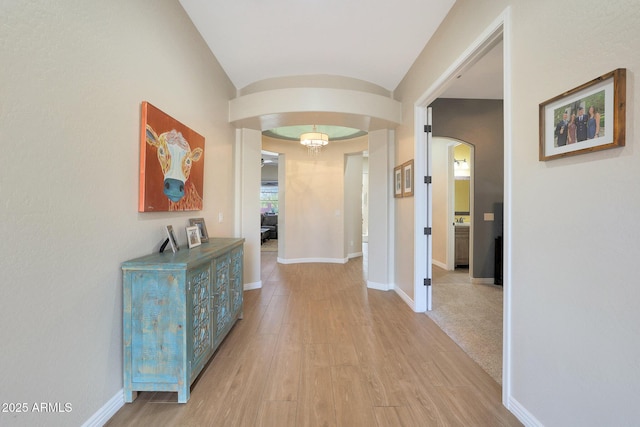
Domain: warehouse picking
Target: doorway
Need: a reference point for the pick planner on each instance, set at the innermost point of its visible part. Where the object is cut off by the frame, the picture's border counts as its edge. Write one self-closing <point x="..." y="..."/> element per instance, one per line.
<point x="495" y="35"/>
<point x="461" y="235"/>
<point x="319" y="213"/>
<point x="270" y="200"/>
<point x="452" y="201"/>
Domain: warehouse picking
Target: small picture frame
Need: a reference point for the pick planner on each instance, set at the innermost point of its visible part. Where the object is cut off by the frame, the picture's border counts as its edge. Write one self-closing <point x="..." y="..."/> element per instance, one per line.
<point x="172" y="239"/>
<point x="397" y="181"/>
<point x="193" y="236"/>
<point x="407" y="179"/>
<point x="199" y="222"/>
<point x="590" y="117"/>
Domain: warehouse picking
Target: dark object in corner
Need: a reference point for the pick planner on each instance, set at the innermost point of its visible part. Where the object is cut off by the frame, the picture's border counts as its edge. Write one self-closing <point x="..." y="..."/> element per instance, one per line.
<point x="270" y="222"/>
<point x="498" y="262"/>
<point x="164" y="245"/>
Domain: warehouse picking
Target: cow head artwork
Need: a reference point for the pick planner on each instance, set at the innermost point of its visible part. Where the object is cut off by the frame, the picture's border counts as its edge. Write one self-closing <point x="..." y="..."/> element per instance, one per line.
<point x="175" y="157"/>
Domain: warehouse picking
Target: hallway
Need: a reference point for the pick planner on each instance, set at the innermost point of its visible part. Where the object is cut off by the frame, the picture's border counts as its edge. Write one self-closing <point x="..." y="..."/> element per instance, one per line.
<point x="316" y="347"/>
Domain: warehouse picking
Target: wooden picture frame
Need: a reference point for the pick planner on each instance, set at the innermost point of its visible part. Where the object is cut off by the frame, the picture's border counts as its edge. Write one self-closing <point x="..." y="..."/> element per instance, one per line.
<point x="407" y="179"/>
<point x="397" y="181"/>
<point x="173" y="242"/>
<point x="590" y="117"/>
<point x="199" y="222"/>
<point x="193" y="236"/>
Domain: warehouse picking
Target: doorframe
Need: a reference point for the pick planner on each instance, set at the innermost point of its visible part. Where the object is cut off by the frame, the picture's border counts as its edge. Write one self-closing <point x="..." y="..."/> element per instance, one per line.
<point x="499" y="29"/>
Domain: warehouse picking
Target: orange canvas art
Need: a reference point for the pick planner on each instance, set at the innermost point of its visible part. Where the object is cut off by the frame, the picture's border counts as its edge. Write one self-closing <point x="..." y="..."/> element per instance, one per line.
<point x="171" y="164"/>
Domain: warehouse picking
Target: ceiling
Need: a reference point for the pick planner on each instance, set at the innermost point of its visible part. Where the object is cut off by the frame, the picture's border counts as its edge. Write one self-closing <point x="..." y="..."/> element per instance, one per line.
<point x="483" y="80"/>
<point x="377" y="42"/>
<point x="293" y="133"/>
<point x="374" y="41"/>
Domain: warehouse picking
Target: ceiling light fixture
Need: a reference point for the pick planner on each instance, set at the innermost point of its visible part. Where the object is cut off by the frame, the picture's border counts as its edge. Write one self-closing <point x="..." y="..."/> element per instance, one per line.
<point x="314" y="141"/>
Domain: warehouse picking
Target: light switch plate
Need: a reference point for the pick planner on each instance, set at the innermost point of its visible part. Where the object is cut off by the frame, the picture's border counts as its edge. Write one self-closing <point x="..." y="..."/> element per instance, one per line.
<point x="488" y="216"/>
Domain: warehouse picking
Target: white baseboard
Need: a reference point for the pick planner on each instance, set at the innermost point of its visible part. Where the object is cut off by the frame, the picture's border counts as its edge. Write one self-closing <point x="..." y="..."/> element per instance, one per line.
<point x="378" y="286"/>
<point x="405" y="298"/>
<point x="312" y="260"/>
<point x="442" y="265"/>
<point x="522" y="414"/>
<point x="254" y="285"/>
<point x="107" y="411"/>
<point x="354" y="255"/>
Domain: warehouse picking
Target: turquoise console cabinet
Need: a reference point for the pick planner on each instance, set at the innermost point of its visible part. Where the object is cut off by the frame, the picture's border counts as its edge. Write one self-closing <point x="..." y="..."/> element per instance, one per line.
<point x="177" y="310"/>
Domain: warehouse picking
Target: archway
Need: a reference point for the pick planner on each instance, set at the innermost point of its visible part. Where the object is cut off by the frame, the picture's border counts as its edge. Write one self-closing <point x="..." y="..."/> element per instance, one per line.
<point x="373" y="112"/>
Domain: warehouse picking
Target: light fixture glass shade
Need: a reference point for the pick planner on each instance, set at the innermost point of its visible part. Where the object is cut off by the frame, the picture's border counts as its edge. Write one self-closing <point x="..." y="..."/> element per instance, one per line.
<point x="314" y="141"/>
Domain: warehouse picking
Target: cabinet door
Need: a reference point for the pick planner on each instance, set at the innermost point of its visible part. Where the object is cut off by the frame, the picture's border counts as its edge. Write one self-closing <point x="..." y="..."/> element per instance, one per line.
<point x="199" y="285"/>
<point x="156" y="319"/>
<point x="221" y="297"/>
<point x="236" y="282"/>
<point x="462" y="246"/>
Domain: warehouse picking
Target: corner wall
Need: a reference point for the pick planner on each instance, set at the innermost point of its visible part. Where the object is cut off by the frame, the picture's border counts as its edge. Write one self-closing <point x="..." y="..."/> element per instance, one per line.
<point x="353" y="217"/>
<point x="72" y="78"/>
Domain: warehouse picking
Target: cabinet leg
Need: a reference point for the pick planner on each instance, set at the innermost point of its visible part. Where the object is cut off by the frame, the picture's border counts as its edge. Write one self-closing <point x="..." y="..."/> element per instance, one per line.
<point x="130" y="396"/>
<point x="183" y="395"/>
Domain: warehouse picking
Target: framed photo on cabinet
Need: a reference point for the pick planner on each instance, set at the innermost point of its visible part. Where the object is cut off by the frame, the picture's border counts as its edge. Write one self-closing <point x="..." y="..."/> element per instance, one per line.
<point x="193" y="236"/>
<point x="172" y="239"/>
<point x="199" y="222"/>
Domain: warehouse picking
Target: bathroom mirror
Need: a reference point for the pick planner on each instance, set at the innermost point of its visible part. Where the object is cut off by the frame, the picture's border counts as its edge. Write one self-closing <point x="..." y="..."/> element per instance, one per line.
<point x="462" y="189"/>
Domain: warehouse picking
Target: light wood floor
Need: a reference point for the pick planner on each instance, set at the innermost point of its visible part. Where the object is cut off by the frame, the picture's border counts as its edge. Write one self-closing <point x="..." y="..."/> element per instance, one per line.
<point x="317" y="348"/>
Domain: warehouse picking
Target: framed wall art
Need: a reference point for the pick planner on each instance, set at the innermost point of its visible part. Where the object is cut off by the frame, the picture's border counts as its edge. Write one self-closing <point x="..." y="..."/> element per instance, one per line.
<point x="407" y="179"/>
<point x="588" y="118"/>
<point x="171" y="164"/>
<point x="397" y="181"/>
<point x="199" y="222"/>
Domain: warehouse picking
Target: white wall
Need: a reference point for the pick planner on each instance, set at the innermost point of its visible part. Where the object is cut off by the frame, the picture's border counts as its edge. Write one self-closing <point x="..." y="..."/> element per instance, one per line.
<point x="574" y="318"/>
<point x="353" y="205"/>
<point x="404" y="238"/>
<point x="440" y="200"/>
<point x="314" y="194"/>
<point x="381" y="210"/>
<point x="72" y="78"/>
<point x="248" y="148"/>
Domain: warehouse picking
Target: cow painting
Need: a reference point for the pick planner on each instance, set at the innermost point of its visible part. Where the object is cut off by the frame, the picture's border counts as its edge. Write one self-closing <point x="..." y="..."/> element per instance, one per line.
<point x="166" y="183"/>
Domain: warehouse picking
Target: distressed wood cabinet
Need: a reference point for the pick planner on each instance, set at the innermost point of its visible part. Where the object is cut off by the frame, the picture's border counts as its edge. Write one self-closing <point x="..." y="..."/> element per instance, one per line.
<point x="177" y="310"/>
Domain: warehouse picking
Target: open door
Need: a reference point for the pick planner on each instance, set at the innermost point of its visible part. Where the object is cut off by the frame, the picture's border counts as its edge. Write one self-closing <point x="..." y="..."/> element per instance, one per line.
<point x="429" y="213"/>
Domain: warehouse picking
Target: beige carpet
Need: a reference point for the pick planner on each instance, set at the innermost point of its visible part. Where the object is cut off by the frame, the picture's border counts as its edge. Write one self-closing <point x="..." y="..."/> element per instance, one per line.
<point x="471" y="314"/>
